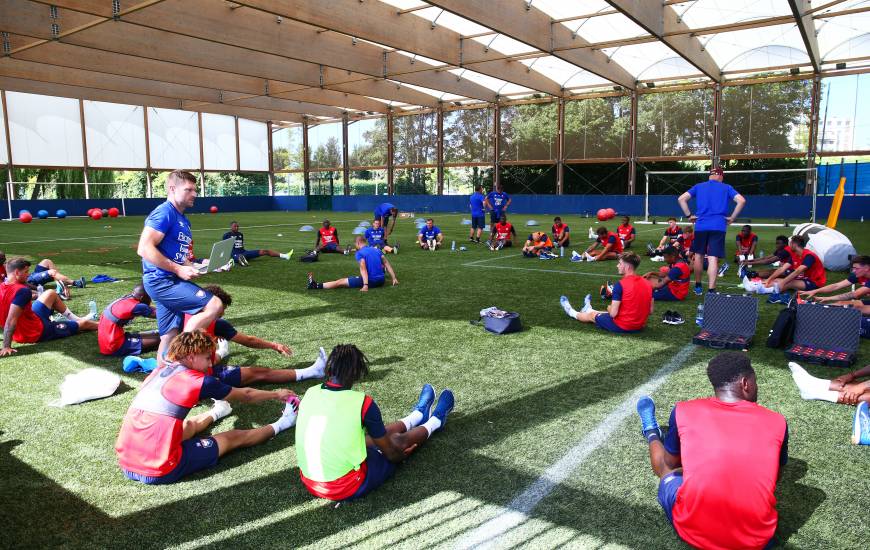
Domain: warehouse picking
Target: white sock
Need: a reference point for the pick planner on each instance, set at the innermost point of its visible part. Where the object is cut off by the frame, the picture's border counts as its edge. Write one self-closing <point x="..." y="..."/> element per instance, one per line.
<point x="316" y="370"/>
<point x="432" y="425"/>
<point x="284" y="256"/>
<point x="587" y="304"/>
<point x="220" y="410"/>
<point x="73" y="317"/>
<point x="288" y="419"/>
<point x="412" y="420"/>
<point x="766" y="289"/>
<point x="570" y="311"/>
<point x="810" y="386"/>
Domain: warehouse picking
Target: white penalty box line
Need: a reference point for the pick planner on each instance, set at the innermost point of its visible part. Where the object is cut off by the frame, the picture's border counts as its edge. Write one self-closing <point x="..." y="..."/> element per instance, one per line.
<point x="518" y="510"/>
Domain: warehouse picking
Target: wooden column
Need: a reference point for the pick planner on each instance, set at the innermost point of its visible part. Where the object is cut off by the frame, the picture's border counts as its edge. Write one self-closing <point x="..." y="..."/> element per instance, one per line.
<point x="9" y="169"/>
<point x="440" y="148"/>
<point x="814" y="129"/>
<point x="271" y="160"/>
<point x="345" y="157"/>
<point x="560" y="147"/>
<point x="202" y="155"/>
<point x="390" y="186"/>
<point x="305" y="164"/>
<point x="632" y="146"/>
<point x="84" y="148"/>
<point x="717" y="120"/>
<point x="149" y="189"/>
<point x="496" y="145"/>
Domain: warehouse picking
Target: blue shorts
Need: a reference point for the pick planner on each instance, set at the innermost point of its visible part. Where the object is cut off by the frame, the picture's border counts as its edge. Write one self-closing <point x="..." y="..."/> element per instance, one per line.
<point x="378" y="470"/>
<point x="39" y="276"/>
<point x="248" y="254"/>
<point x="231" y="376"/>
<point x="865" y="327"/>
<point x="52" y="330"/>
<point x="808" y="283"/>
<point x="711" y="243"/>
<point x="331" y="247"/>
<point x="132" y="345"/>
<point x="668" y="487"/>
<point x="175" y="297"/>
<point x="478" y="222"/>
<point x="664" y="294"/>
<point x="198" y="453"/>
<point x="357" y="282"/>
<point x="495" y="216"/>
<point x="605" y="321"/>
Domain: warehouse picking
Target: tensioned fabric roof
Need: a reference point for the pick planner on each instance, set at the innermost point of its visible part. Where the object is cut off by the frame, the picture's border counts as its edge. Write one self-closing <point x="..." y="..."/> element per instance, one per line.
<point x="282" y="60"/>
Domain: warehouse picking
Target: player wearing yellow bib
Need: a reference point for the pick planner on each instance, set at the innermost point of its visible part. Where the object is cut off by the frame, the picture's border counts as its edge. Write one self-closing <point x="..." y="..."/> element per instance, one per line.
<point x="343" y="449"/>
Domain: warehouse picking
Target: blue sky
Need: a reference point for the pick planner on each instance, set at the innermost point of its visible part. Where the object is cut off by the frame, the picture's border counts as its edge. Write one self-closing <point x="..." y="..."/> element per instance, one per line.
<point x="842" y="99"/>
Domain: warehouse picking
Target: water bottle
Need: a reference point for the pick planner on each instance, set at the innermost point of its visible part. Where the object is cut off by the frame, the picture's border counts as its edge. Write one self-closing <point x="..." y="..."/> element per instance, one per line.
<point x="561" y="251"/>
<point x="92" y="308"/>
<point x="452" y="246"/>
<point x="699" y="317"/>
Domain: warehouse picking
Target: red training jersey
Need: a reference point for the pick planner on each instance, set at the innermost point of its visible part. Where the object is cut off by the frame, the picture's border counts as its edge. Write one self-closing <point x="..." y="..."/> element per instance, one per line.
<point x="731" y="457"/>
<point x="29" y="327"/>
<point x="816" y="272"/>
<point x="680" y="287"/>
<point x="617" y="244"/>
<point x="624" y="231"/>
<point x="110" y="333"/>
<point x="635" y="304"/>
<point x="558" y="230"/>
<point x="687" y="240"/>
<point x="744" y="243"/>
<point x="503" y="231"/>
<point x="327" y="235"/>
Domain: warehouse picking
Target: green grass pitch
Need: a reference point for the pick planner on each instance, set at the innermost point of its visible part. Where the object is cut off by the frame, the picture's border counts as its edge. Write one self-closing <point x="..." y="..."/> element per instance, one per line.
<point x="523" y="400"/>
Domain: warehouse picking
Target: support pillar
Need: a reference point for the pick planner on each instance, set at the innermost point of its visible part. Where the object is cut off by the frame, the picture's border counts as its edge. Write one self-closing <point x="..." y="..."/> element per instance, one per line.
<point x="440" y="149"/>
<point x="496" y="146"/>
<point x="717" y="124"/>
<point x="390" y="185"/>
<point x="271" y="160"/>
<point x="202" y="154"/>
<point x="560" y="147"/>
<point x="305" y="163"/>
<point x="632" y="145"/>
<point x="149" y="188"/>
<point x="345" y="160"/>
<point x="814" y="130"/>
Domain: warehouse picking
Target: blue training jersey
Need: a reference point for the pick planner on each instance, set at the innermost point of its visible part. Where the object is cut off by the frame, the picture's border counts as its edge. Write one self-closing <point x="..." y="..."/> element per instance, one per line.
<point x="176" y="238"/>
<point x="375" y="236"/>
<point x="383" y="209"/>
<point x="374" y="261"/>
<point x="712" y="200"/>
<point x="239" y="245"/>
<point x="476" y="203"/>
<point x="429" y="234"/>
<point x="498" y="200"/>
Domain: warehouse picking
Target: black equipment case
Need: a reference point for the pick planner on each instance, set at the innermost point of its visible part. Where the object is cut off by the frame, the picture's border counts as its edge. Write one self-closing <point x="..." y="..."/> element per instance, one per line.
<point x="729" y="321"/>
<point x="828" y="335"/>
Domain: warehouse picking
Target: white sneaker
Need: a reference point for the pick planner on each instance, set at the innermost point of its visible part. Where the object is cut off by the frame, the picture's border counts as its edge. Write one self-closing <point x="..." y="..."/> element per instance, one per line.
<point x="319" y="366"/>
<point x="587" y="304"/>
<point x="223" y="348"/>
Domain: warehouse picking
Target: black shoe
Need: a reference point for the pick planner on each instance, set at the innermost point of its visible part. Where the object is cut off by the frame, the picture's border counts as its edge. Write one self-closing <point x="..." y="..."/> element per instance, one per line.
<point x="312" y="284"/>
<point x="79" y="283"/>
<point x="676" y="318"/>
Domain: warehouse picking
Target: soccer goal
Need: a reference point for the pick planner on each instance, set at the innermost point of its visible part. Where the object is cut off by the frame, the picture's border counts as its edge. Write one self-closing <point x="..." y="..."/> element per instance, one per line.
<point x="778" y="182"/>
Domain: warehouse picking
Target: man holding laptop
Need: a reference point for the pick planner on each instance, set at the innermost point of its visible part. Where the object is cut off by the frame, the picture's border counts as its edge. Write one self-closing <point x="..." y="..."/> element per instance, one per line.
<point x="166" y="270"/>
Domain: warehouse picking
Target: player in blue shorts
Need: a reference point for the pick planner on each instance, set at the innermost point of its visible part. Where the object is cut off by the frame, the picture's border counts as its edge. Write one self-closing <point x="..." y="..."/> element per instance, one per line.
<point x="46" y="272"/>
<point x="372" y="264"/>
<point x="478" y="214"/>
<point x="240" y="255"/>
<point x="430" y="236"/>
<point x="376" y="236"/>
<point x="497" y="202"/>
<point x="385" y="212"/>
<point x="166" y="269"/>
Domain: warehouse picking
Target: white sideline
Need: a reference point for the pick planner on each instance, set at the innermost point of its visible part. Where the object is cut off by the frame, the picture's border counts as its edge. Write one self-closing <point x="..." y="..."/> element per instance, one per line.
<point x="518" y="510"/>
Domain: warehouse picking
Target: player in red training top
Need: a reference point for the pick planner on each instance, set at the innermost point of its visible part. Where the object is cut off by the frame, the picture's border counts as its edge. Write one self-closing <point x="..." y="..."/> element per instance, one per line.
<point x="720" y="460"/>
<point x="859" y="277"/>
<point x="327" y="239"/>
<point x="611" y="247"/>
<point x="747" y="242"/>
<point x="806" y="273"/>
<point x="632" y="301"/>
<point x="502" y="234"/>
<point x="688" y="237"/>
<point x="671" y="282"/>
<point x="561" y="233"/>
<point x="26" y="321"/>
<point x="673" y="236"/>
<point x="112" y="337"/>
<point x="158" y="444"/>
<point x="626" y="232"/>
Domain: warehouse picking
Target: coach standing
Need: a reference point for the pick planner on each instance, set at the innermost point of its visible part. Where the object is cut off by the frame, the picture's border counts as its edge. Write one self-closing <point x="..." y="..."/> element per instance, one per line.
<point x="711" y="222"/>
<point x="166" y="269"/>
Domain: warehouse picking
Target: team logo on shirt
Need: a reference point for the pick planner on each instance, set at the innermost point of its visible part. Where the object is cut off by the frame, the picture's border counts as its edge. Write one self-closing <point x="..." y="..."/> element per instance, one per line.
<point x="200" y="293"/>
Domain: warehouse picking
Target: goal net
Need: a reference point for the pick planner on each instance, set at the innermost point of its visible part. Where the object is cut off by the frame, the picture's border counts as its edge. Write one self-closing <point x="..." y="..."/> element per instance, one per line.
<point x="787" y="182"/>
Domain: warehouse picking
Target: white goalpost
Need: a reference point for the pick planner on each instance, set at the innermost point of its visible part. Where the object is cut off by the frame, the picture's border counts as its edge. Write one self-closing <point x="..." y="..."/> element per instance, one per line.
<point x="795" y="181"/>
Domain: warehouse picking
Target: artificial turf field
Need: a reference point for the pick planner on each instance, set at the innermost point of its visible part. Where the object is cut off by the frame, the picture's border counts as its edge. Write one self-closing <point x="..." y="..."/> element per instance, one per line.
<point x="523" y="401"/>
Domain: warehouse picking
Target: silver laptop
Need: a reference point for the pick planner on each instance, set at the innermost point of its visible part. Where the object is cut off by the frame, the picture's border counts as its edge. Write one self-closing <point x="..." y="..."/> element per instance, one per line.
<point x="221" y="254"/>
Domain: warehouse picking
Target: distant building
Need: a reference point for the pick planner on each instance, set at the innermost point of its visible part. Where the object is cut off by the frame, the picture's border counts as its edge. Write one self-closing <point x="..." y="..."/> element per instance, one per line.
<point x="837" y="134"/>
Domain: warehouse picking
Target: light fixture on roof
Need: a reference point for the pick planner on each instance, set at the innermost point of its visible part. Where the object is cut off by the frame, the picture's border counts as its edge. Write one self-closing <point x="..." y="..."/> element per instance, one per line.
<point x="537" y="96"/>
<point x="650" y="84"/>
<point x="617" y="88"/>
<point x="841" y="66"/>
<point x="795" y="70"/>
<point x="456" y="104"/>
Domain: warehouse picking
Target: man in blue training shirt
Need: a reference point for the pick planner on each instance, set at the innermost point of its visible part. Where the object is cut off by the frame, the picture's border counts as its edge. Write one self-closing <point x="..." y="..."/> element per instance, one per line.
<point x="711" y="222"/>
<point x="240" y="255"/>
<point x="376" y="237"/>
<point x="430" y="236"/>
<point x="497" y="201"/>
<point x="384" y="212"/>
<point x="166" y="269"/>
<point x="372" y="264"/>
<point x="478" y="213"/>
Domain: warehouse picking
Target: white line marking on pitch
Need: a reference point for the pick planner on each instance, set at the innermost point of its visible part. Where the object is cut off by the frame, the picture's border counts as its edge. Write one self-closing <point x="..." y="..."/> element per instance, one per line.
<point x="518" y="510"/>
<point x="605" y="275"/>
<point x="476" y="262"/>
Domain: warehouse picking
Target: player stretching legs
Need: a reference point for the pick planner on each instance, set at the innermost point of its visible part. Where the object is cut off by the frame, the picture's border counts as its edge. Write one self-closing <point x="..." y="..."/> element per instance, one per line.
<point x="372" y="263"/>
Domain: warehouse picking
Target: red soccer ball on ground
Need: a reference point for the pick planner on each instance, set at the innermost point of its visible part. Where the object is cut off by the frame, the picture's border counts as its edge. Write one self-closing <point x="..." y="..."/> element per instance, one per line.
<point x="601" y="215"/>
<point x="96" y="214"/>
<point x="611" y="213"/>
<point x="25" y="217"/>
<point x="213" y="209"/>
<point x="113" y="212"/>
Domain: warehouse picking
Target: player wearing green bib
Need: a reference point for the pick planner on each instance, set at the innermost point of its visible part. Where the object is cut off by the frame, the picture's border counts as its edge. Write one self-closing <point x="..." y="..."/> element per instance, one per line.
<point x="343" y="448"/>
